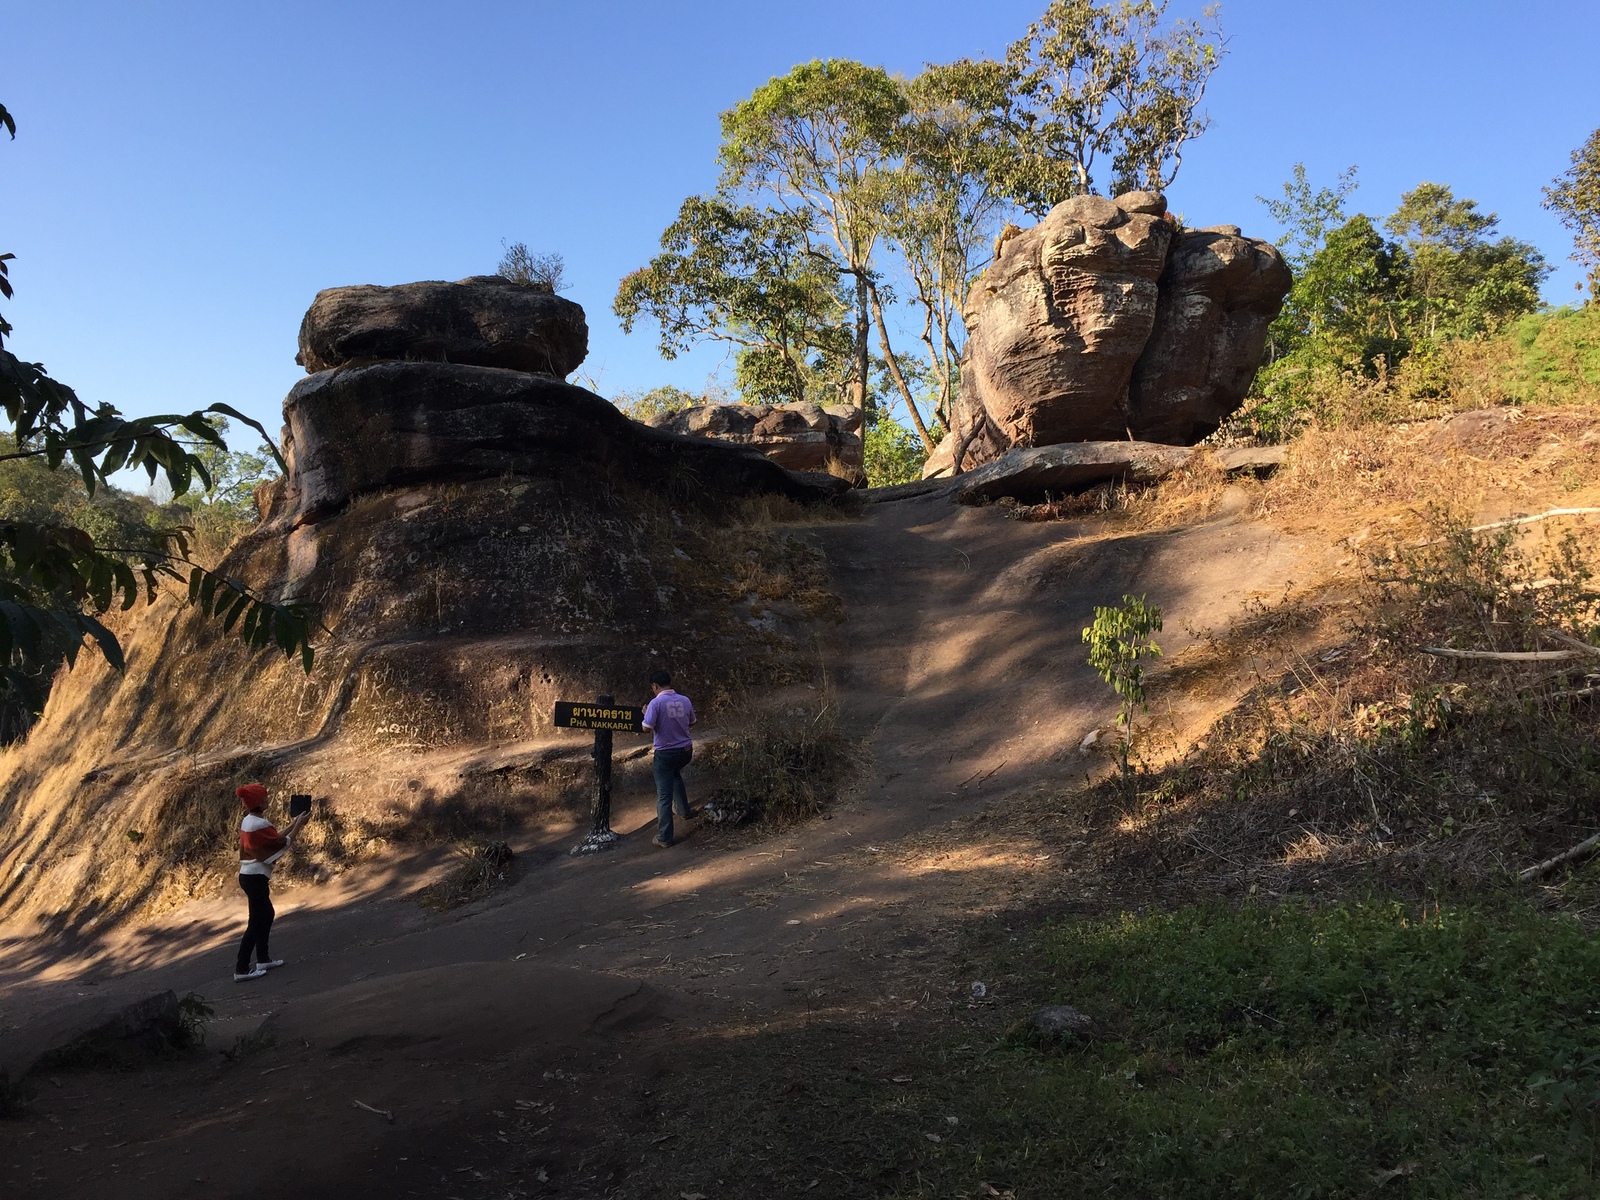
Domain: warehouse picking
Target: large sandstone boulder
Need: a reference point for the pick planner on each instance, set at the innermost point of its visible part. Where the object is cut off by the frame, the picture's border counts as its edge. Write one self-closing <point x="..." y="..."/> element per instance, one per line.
<point x="1219" y="293"/>
<point x="482" y="321"/>
<point x="1055" y="326"/>
<point x="1103" y="323"/>
<point x="800" y="436"/>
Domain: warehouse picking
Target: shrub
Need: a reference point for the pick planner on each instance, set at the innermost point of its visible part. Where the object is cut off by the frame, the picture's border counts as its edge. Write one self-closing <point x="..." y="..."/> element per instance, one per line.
<point x="892" y="453"/>
<point x="780" y="766"/>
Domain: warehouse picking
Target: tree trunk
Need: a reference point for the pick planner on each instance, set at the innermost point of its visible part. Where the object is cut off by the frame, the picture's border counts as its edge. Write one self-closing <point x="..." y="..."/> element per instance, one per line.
<point x="861" y="345"/>
<point x="895" y="373"/>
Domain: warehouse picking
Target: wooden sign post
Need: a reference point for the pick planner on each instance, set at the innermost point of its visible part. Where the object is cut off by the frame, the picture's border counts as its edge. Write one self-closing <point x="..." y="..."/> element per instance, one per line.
<point x="605" y="717"/>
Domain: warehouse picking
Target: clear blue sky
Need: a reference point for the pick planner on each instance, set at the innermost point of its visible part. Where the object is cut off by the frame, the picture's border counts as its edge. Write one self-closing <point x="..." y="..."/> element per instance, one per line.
<point x="186" y="176"/>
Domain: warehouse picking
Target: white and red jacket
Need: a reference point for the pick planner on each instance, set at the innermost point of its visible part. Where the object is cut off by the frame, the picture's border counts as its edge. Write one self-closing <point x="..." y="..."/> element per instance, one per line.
<point x="260" y="845"/>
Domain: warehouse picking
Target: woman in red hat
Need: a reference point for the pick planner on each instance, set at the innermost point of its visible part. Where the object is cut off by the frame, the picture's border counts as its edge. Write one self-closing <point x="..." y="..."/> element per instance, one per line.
<point x="260" y="845"/>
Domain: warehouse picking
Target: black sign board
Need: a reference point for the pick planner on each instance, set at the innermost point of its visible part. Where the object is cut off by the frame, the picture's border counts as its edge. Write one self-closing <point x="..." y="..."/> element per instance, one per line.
<point x="575" y="714"/>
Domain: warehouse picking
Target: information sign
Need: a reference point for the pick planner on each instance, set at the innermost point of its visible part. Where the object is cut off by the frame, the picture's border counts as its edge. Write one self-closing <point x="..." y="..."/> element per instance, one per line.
<point x="620" y="718"/>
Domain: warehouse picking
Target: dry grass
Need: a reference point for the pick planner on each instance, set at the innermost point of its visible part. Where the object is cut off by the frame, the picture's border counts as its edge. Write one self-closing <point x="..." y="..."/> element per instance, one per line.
<point x="781" y="765"/>
<point x="1360" y="481"/>
<point x="482" y="867"/>
<point x="1356" y="759"/>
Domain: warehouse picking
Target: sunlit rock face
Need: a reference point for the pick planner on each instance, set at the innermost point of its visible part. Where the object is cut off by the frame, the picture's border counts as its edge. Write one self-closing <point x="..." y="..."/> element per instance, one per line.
<point x="1105" y="321"/>
<point x="481" y="321"/>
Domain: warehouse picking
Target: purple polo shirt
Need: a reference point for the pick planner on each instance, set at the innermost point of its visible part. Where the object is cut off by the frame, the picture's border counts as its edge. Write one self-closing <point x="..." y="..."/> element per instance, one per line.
<point x="669" y="716"/>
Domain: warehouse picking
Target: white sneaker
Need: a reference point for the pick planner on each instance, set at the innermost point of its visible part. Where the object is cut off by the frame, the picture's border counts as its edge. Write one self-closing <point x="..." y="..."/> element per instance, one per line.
<point x="255" y="972"/>
<point x="267" y="966"/>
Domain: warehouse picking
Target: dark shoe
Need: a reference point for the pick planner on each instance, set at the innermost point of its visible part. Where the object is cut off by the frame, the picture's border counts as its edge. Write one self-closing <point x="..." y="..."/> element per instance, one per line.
<point x="690" y="813"/>
<point x="656" y="841"/>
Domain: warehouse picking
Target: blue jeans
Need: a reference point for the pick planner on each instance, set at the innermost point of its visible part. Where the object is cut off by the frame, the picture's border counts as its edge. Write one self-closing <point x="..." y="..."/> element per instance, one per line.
<point x="668" y="768"/>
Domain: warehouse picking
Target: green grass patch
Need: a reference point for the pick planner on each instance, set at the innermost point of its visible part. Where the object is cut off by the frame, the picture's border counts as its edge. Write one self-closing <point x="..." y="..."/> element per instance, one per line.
<point x="1292" y="1051"/>
<point x="1557" y="356"/>
<point x="1274" y="1051"/>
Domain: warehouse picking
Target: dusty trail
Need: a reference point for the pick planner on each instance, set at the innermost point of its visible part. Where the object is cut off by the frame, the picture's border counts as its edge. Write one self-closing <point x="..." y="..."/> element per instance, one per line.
<point x="959" y="659"/>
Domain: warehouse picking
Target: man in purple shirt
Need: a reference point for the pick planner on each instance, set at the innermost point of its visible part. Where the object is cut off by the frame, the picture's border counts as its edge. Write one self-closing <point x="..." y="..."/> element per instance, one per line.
<point x="668" y="717"/>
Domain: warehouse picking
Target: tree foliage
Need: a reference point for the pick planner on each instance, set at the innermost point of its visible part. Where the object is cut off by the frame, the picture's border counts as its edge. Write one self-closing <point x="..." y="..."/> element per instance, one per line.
<point x="751" y="278"/>
<point x="1575" y="197"/>
<point x="225" y="508"/>
<point x="1104" y="83"/>
<point x="1363" y="303"/>
<point x="56" y="578"/>
<point x="899" y="185"/>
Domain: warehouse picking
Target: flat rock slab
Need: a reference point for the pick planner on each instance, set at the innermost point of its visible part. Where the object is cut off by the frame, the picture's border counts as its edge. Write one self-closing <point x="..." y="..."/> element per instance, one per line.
<point x="481" y="321"/>
<point x="1077" y="466"/>
<point x="1252" y="460"/>
<point x="475" y="1009"/>
<point x="1071" y="467"/>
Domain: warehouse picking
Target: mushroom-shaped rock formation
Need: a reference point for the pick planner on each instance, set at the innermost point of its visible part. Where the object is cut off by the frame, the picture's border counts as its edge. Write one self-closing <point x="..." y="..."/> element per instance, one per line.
<point x="480" y="542"/>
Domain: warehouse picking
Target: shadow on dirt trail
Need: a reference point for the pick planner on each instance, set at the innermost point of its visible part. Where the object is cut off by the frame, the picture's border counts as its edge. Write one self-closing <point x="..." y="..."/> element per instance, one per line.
<point x="518" y="1046"/>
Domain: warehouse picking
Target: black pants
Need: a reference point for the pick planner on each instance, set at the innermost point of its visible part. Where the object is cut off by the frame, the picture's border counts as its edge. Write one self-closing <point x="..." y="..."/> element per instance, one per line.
<point x="257" y="888"/>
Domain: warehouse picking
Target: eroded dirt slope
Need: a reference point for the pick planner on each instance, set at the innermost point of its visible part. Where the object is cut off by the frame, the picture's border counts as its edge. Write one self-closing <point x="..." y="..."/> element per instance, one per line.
<point x="958" y="660"/>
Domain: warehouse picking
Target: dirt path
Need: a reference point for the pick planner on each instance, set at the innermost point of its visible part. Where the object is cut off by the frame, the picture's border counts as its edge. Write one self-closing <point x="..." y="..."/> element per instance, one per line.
<point x="959" y="658"/>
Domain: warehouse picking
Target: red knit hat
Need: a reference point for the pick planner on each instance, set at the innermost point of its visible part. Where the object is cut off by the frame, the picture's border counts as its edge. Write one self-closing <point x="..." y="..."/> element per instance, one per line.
<point x="251" y="795"/>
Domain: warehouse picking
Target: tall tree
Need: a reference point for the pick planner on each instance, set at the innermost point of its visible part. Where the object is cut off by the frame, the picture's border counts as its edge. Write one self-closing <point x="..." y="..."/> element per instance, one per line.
<point x="820" y="140"/>
<point x="1098" y="84"/>
<point x="1307" y="215"/>
<point x="1574" y="196"/>
<point x="55" y="579"/>
<point x="944" y="205"/>
<point x="750" y="278"/>
<point x="1459" y="281"/>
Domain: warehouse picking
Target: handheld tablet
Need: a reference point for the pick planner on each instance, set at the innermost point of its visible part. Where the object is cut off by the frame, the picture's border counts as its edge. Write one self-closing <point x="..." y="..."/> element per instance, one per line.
<point x="298" y="804"/>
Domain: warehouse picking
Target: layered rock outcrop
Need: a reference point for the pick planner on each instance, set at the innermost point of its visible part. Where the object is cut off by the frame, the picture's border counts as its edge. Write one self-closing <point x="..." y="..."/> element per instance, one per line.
<point x="480" y="321"/>
<point x="800" y="436"/>
<point x="478" y="542"/>
<point x="1219" y="293"/>
<point x="397" y="424"/>
<point x="1105" y="321"/>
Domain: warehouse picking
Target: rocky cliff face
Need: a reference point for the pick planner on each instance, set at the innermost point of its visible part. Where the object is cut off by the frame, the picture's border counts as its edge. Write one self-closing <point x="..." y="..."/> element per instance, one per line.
<point x="1107" y="322"/>
<point x="481" y="541"/>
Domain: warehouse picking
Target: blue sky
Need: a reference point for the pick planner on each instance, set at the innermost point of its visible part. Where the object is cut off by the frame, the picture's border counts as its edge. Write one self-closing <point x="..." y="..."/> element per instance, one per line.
<point x="186" y="176"/>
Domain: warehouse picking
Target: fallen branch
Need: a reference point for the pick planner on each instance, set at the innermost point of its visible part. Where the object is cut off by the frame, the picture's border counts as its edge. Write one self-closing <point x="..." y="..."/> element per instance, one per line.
<point x="382" y="1112"/>
<point x="1506" y="655"/>
<point x="1584" y="847"/>
<point x="1585" y="647"/>
<point x="1554" y="512"/>
<point x="1509" y="521"/>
